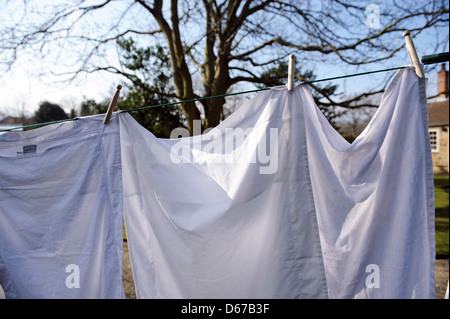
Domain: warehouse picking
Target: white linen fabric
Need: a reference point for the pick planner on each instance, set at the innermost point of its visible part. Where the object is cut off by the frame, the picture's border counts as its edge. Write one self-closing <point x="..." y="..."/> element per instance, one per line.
<point x="226" y="214"/>
<point x="375" y="197"/>
<point x="61" y="211"/>
<point x="272" y="203"/>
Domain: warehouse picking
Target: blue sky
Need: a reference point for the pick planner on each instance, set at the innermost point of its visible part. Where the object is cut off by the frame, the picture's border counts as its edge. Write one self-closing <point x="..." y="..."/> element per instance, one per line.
<point x="23" y="89"/>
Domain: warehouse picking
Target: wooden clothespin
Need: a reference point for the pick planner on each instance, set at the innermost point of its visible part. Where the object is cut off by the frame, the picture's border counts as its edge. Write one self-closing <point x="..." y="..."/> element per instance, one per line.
<point x="413" y="54"/>
<point x="291" y="72"/>
<point x="112" y="105"/>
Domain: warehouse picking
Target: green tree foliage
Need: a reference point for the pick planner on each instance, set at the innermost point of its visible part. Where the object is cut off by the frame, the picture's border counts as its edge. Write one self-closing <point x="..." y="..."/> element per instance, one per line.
<point x="277" y="76"/>
<point x="91" y="106"/>
<point x="148" y="72"/>
<point x="48" y="112"/>
<point x="159" y="120"/>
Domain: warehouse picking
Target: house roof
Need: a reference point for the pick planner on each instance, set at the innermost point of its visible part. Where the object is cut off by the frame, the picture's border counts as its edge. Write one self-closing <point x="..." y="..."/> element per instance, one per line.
<point x="11" y="120"/>
<point x="438" y="113"/>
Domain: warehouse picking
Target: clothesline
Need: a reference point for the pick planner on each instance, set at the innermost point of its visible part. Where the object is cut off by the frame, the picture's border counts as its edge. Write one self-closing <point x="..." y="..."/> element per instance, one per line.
<point x="290" y="206"/>
<point x="258" y="90"/>
<point x="211" y="97"/>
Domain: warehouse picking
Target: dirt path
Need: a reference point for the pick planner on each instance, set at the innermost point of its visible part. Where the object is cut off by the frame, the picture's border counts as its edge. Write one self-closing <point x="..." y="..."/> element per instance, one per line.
<point x="441" y="276"/>
<point x="127" y="276"/>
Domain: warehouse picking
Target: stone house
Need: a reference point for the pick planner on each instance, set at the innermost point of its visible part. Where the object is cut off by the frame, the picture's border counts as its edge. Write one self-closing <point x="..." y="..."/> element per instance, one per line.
<point x="438" y="123"/>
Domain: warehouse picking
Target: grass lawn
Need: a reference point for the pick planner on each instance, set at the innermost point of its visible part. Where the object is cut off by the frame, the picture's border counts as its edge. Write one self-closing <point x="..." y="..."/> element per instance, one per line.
<point x="441" y="203"/>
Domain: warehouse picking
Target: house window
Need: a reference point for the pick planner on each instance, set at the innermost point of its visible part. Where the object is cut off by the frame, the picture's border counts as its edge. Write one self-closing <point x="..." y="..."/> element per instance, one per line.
<point x="434" y="140"/>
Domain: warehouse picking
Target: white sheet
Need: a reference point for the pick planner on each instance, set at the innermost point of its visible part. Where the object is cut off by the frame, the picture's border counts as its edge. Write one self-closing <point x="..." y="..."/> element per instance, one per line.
<point x="61" y="211"/>
<point x="375" y="197"/>
<point x="273" y="203"/>
<point x="207" y="217"/>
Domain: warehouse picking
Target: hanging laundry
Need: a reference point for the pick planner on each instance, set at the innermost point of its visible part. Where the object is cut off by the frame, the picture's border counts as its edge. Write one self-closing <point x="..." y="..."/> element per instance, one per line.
<point x="61" y="211"/>
<point x="375" y="197"/>
<point x="226" y="214"/>
<point x="272" y="203"/>
<point x="220" y="215"/>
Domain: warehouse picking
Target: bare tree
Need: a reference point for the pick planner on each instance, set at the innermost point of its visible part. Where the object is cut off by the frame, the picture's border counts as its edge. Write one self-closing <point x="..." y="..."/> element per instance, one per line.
<point x="215" y="44"/>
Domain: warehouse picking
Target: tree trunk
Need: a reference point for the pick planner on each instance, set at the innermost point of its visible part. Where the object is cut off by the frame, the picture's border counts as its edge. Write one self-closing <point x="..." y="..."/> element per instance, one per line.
<point x="180" y="71"/>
